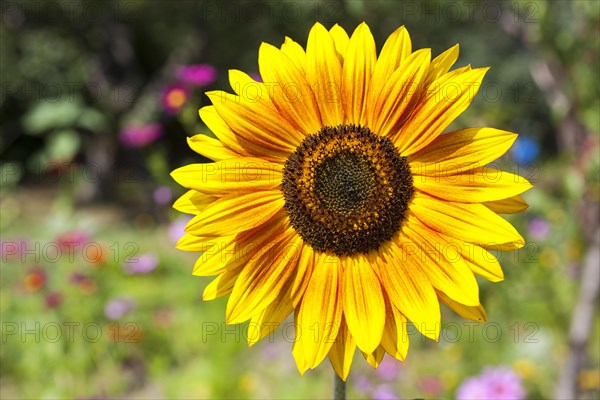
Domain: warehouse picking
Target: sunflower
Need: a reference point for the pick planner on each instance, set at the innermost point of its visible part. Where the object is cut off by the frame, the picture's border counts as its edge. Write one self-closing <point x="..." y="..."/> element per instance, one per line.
<point x="335" y="195"/>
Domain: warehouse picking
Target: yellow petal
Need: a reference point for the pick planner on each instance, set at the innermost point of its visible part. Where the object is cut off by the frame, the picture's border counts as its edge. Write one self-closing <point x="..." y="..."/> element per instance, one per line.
<point x="264" y="277"/>
<point x="210" y="147"/>
<point x="442" y="63"/>
<point x="375" y="357"/>
<point x="409" y="290"/>
<point x="461" y="151"/>
<point x="298" y="350"/>
<point x="295" y="52"/>
<point x="443" y="261"/>
<point x="232" y="176"/>
<point x="341" y="39"/>
<point x="474" y="186"/>
<point x="395" y="334"/>
<point x="342" y="351"/>
<point x="193" y="243"/>
<point x="445" y="99"/>
<point x="323" y="71"/>
<point x="193" y="202"/>
<point x="230" y="215"/>
<point x="395" y="50"/>
<point x="511" y="205"/>
<point x="223" y="132"/>
<point x="474" y="313"/>
<point x="474" y="223"/>
<point x="256" y="95"/>
<point x="320" y="311"/>
<point x="221" y="286"/>
<point x="303" y="273"/>
<point x="254" y="122"/>
<point x="395" y="97"/>
<point x="364" y="306"/>
<point x="234" y="251"/>
<point x="360" y="59"/>
<point x="266" y="321"/>
<point x="288" y="89"/>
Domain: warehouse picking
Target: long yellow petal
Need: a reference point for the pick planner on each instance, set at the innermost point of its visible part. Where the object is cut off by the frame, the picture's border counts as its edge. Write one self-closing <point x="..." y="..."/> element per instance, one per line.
<point x="442" y="63"/>
<point x="323" y="71"/>
<point x="254" y="122"/>
<point x="193" y="202"/>
<point x="445" y="99"/>
<point x="511" y="205"/>
<point x="474" y="223"/>
<point x="409" y="290"/>
<point x="295" y="52"/>
<point x="266" y="321"/>
<point x="461" y="151"/>
<point x="231" y="176"/>
<point x="395" y="50"/>
<point x="364" y="306"/>
<point x="342" y="351"/>
<point x="230" y="215"/>
<point x="395" y="335"/>
<point x="341" y="39"/>
<point x="394" y="100"/>
<point x="374" y="358"/>
<point x="474" y="313"/>
<point x="359" y="62"/>
<point x="210" y="147"/>
<point x="288" y="89"/>
<point x="221" y="286"/>
<point x="441" y="260"/>
<point x="474" y="186"/>
<point x="304" y="271"/>
<point x="263" y="278"/>
<point x="320" y="311"/>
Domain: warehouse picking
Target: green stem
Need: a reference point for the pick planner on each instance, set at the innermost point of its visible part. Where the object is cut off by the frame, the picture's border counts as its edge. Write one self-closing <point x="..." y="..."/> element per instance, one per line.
<point x="339" y="388"/>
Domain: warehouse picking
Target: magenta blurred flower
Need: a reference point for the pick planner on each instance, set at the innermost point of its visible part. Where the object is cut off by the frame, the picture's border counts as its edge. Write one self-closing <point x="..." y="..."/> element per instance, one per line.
<point x="140" y="135"/>
<point x="53" y="299"/>
<point x="197" y="75"/>
<point x="500" y="383"/>
<point x="431" y="386"/>
<point x="173" y="98"/>
<point x="143" y="264"/>
<point x="388" y="369"/>
<point x="539" y="228"/>
<point x="162" y="195"/>
<point x="176" y="229"/>
<point x="117" y="308"/>
<point x="73" y="241"/>
<point x="384" y="392"/>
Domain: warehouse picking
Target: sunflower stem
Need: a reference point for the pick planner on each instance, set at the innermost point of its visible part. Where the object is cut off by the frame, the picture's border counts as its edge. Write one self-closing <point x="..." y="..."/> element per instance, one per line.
<point x="339" y="388"/>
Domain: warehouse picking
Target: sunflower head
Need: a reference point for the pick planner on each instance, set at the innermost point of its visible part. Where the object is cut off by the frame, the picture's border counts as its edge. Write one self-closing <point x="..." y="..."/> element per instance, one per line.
<point x="336" y="195"/>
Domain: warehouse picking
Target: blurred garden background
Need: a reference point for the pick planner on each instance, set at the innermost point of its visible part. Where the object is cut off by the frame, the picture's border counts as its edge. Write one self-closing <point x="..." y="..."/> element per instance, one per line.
<point x="97" y="98"/>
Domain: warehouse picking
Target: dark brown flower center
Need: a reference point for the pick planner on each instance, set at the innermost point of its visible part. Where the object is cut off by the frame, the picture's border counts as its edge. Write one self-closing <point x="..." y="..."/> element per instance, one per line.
<point x="346" y="190"/>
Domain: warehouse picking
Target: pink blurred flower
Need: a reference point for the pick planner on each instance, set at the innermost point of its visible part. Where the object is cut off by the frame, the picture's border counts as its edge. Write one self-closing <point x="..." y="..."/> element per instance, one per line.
<point x="384" y="392"/>
<point x="117" y="308"/>
<point x="500" y="383"/>
<point x="140" y="135"/>
<point x="162" y="195"/>
<point x="388" y="368"/>
<point x="143" y="264"/>
<point x="197" y="75"/>
<point x="539" y="228"/>
<point x="176" y="229"/>
<point x="173" y="98"/>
